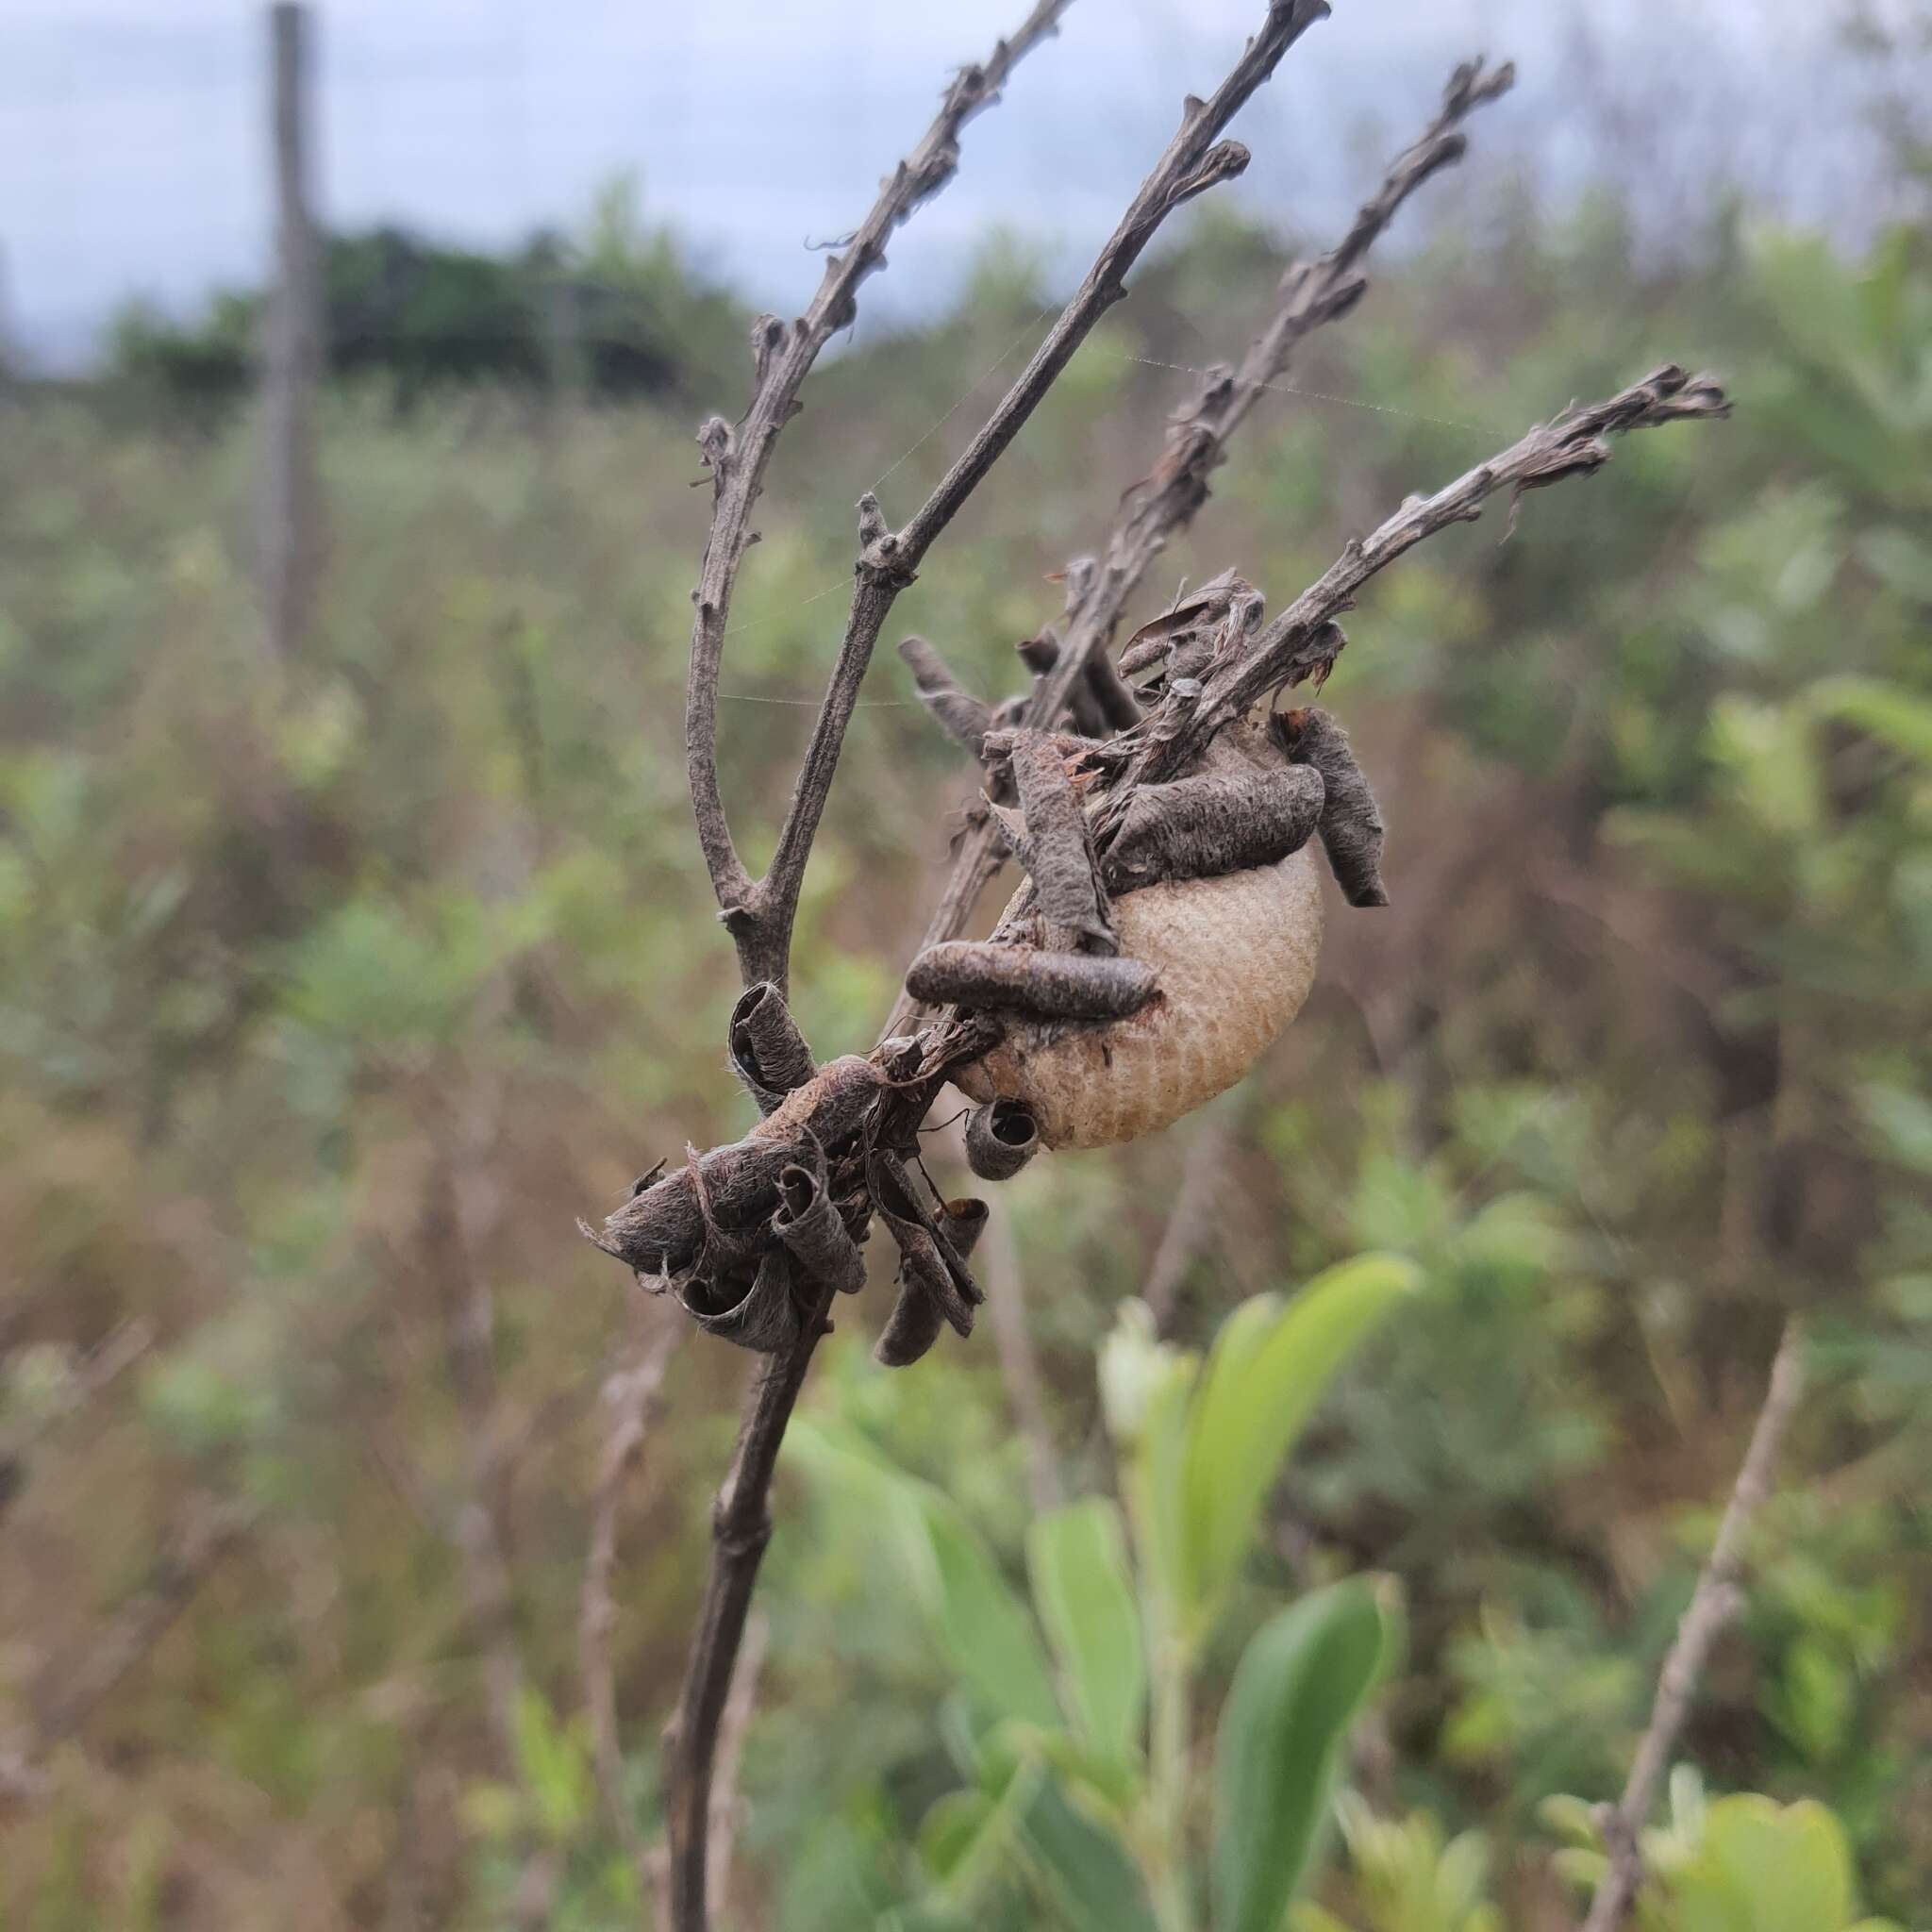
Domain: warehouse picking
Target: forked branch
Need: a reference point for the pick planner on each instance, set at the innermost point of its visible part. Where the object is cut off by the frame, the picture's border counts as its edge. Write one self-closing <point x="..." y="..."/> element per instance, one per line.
<point x="1303" y="642"/>
<point x="759" y="914"/>
<point x="737" y="458"/>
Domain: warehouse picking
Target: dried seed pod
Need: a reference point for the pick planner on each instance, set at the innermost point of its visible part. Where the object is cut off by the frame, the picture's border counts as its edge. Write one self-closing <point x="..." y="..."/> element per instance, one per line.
<point x="1000" y="1140"/>
<point x="960" y="715"/>
<point x="927" y="1257"/>
<point x="1351" y="820"/>
<point x="1061" y="844"/>
<point x="1069" y="986"/>
<point x="768" y="1052"/>
<point x="963" y="1222"/>
<point x="1216" y="822"/>
<point x="662" y="1230"/>
<point x="811" y="1227"/>
<point x="910" y="1330"/>
<point x="758" y="1311"/>
<point x="1040" y="653"/>
<point x="1120" y="709"/>
<point x="1236" y="960"/>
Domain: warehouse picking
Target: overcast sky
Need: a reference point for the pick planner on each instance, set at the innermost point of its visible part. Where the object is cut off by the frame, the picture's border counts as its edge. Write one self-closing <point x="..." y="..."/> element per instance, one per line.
<point x="132" y="146"/>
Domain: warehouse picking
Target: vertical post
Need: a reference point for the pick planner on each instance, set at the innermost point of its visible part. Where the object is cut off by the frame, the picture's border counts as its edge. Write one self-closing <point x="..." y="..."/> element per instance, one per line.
<point x="291" y="348"/>
<point x="8" y="372"/>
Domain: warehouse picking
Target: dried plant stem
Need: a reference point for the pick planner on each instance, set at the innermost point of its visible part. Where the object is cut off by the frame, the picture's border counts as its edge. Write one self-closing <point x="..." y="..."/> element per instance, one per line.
<point x="741" y="1528"/>
<point x="460" y="1208"/>
<point x="736" y="1722"/>
<point x="1304" y="640"/>
<point x="1313" y="293"/>
<point x="738" y="458"/>
<point x="630" y="1398"/>
<point x="761" y="914"/>
<point x="1713" y="1604"/>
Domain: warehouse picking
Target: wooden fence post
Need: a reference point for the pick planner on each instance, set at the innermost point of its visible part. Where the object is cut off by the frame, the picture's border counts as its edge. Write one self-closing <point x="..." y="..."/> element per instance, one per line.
<point x="288" y="498"/>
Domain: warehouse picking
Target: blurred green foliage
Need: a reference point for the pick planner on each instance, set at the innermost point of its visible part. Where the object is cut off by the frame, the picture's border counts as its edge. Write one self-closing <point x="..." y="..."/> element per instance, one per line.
<point x="615" y="313"/>
<point x="1082" y="1795"/>
<point x="331" y="992"/>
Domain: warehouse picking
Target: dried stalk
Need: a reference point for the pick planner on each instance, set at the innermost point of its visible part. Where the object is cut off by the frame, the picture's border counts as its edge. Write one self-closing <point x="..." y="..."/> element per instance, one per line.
<point x="739" y="1707"/>
<point x="761" y="914"/>
<point x="1304" y="640"/>
<point x="1313" y="293"/>
<point x="1715" y="1602"/>
<point x="459" y="1204"/>
<point x="738" y="459"/>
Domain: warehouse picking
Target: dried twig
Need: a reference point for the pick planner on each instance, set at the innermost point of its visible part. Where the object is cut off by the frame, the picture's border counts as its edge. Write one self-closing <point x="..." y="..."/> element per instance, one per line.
<point x="1304" y="640"/>
<point x="458" y="1204"/>
<point x="1716" y="1600"/>
<point x="759" y="914"/>
<point x="1313" y="293"/>
<point x="738" y="458"/>
<point x="630" y="1398"/>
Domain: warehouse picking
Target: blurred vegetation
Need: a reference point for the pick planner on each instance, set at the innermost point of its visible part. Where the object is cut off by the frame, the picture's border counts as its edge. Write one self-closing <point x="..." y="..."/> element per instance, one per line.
<point x="615" y="313"/>
<point x="329" y="994"/>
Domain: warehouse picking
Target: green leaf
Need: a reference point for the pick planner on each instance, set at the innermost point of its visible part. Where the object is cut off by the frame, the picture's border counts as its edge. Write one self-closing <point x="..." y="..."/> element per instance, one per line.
<point x="1083" y="1591"/>
<point x="1084" y="1867"/>
<point x="982" y="1623"/>
<point x="970" y="1838"/>
<point x="1296" y="1690"/>
<point x="1269" y="1369"/>
<point x="1768" y="1867"/>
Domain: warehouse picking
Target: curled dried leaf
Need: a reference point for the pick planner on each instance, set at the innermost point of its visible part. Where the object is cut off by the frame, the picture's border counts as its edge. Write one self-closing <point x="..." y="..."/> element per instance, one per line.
<point x="1054" y="985"/>
<point x="961" y="716"/>
<point x="768" y="1052"/>
<point x="1000" y="1139"/>
<point x="759" y="1311"/>
<point x="1061" y="845"/>
<point x="811" y="1227"/>
<point x="1351" y="822"/>
<point x="1216" y="822"/>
